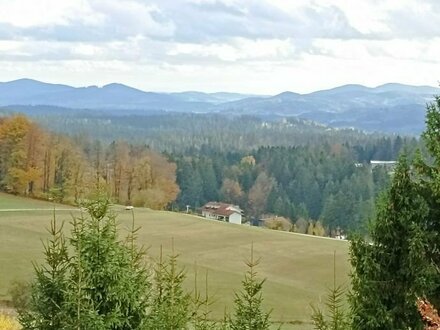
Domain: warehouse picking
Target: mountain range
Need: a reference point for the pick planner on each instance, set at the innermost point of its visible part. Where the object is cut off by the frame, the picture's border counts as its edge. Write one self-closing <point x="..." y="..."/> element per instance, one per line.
<point x="391" y="107"/>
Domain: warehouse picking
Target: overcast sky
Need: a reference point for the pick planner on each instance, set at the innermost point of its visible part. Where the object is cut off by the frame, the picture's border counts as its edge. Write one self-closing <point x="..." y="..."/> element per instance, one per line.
<point x="252" y="46"/>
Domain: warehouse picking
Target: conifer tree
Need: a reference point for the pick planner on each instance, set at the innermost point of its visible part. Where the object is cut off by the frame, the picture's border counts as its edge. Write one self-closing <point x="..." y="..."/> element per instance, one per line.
<point x="169" y="302"/>
<point x="48" y="292"/>
<point x="335" y="318"/>
<point x="102" y="285"/>
<point x="428" y="180"/>
<point x="109" y="284"/>
<point x="202" y="307"/>
<point x="393" y="270"/>
<point x="248" y="313"/>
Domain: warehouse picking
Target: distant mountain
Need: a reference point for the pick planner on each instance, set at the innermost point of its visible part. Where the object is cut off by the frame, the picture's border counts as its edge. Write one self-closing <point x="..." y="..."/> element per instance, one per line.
<point x="213" y="98"/>
<point x="111" y="97"/>
<point x="391" y="107"/>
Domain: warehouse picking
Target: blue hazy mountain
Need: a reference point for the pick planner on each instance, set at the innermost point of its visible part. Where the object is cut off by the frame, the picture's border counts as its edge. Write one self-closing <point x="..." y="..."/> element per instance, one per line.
<point x="388" y="108"/>
<point x="391" y="107"/>
<point x="112" y="97"/>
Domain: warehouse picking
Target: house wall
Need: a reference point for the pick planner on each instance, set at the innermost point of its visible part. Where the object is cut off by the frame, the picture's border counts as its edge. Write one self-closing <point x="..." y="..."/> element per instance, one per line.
<point x="208" y="215"/>
<point x="235" y="218"/>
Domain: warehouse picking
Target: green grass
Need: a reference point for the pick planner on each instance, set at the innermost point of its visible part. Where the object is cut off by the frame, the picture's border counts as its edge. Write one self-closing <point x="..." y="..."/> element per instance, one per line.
<point x="298" y="268"/>
<point x="15" y="202"/>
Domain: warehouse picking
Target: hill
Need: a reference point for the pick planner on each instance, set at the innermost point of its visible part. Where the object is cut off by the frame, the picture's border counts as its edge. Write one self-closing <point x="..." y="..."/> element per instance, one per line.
<point x="395" y="108"/>
<point x="109" y="97"/>
<point x="392" y="107"/>
<point x="298" y="268"/>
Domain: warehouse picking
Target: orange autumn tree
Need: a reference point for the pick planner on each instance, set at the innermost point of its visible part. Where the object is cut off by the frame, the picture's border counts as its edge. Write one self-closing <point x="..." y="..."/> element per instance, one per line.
<point x="20" y="160"/>
<point x="37" y="163"/>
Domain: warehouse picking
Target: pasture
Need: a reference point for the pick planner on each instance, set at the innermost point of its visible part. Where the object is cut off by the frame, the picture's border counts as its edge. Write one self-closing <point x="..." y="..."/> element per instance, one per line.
<point x="298" y="268"/>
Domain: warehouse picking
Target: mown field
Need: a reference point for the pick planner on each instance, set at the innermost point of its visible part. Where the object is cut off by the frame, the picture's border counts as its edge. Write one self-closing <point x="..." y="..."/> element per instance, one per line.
<point x="298" y="268"/>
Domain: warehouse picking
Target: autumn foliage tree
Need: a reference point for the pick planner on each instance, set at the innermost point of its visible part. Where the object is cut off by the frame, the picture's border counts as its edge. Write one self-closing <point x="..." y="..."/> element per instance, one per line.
<point x="37" y="163"/>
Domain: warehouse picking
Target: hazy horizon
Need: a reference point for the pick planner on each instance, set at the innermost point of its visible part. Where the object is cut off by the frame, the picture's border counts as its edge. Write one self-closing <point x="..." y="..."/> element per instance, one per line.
<point x="210" y="92"/>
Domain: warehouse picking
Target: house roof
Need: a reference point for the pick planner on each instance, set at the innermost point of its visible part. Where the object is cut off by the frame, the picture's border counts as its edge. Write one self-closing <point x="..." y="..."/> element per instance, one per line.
<point x="222" y="209"/>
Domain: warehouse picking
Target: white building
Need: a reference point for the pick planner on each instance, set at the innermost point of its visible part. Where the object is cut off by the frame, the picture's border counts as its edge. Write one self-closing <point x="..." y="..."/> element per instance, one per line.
<point x="222" y="212"/>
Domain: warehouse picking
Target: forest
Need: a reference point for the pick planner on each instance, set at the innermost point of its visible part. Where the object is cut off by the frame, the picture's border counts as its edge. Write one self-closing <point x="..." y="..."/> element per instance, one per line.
<point x="40" y="164"/>
<point x="306" y="173"/>
<point x="394" y="279"/>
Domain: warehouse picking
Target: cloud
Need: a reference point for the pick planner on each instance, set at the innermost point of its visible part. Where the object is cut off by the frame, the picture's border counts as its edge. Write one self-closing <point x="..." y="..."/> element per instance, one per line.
<point x="240" y="39"/>
<point x="91" y="21"/>
<point x="213" y="21"/>
<point x="418" y="20"/>
<point x="167" y="20"/>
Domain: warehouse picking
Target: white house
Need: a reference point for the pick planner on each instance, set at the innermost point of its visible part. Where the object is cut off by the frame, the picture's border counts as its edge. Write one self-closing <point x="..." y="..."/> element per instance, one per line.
<point x="223" y="212"/>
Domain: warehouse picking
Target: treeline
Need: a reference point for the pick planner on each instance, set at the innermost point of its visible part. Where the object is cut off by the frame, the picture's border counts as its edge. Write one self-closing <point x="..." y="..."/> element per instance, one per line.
<point x="178" y="132"/>
<point x="37" y="163"/>
<point x="332" y="183"/>
<point x="307" y="173"/>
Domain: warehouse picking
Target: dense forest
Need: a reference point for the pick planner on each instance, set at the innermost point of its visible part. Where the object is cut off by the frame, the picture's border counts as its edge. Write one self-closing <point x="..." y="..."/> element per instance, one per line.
<point x="306" y="173"/>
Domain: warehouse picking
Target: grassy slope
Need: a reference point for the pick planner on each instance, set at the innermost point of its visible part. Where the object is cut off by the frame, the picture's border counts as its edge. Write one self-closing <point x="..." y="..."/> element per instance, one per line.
<point x="298" y="268"/>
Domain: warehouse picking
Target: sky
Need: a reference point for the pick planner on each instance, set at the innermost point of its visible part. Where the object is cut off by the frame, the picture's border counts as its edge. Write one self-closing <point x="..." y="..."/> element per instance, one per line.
<point x="247" y="46"/>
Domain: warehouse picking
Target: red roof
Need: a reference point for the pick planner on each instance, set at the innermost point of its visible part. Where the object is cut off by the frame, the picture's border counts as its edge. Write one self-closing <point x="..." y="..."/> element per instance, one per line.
<point x="222" y="209"/>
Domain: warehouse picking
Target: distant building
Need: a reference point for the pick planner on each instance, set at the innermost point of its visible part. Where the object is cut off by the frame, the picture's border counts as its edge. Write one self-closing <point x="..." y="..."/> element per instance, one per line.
<point x="385" y="163"/>
<point x="256" y="222"/>
<point x="389" y="165"/>
<point x="222" y="212"/>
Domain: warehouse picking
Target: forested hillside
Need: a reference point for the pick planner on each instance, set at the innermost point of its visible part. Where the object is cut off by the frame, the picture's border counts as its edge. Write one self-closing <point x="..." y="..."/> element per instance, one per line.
<point x="330" y="182"/>
<point x="310" y="174"/>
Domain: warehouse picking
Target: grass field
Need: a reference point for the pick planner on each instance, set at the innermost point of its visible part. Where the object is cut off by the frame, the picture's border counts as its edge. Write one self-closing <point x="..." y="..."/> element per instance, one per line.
<point x="298" y="268"/>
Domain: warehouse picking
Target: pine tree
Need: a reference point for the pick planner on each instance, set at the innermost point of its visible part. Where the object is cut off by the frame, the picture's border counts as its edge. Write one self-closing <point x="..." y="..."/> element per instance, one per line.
<point x="169" y="303"/>
<point x="102" y="285"/>
<point x="248" y="314"/>
<point x="428" y="179"/>
<point x="109" y="284"/>
<point x="393" y="270"/>
<point x="45" y="309"/>
<point x="202" y="307"/>
<point x="336" y="317"/>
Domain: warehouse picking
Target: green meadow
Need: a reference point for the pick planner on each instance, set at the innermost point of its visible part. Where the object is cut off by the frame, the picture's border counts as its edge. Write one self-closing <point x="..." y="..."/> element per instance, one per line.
<point x="298" y="269"/>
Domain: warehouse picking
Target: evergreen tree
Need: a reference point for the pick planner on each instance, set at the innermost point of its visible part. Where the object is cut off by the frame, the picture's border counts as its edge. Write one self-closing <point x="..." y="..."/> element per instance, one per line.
<point x="109" y="281"/>
<point x="248" y="314"/>
<point x="48" y="291"/>
<point x="428" y="176"/>
<point x="202" y="308"/>
<point x="393" y="270"/>
<point x="336" y="317"/>
<point x="170" y="304"/>
<point x="102" y="285"/>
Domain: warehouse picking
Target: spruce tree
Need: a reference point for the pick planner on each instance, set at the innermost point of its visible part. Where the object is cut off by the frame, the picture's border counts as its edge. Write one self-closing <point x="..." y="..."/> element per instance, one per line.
<point x="392" y="270"/>
<point x="336" y="317"/>
<point x="169" y="302"/>
<point x="109" y="284"/>
<point x="102" y="285"/>
<point x="428" y="179"/>
<point x="248" y="313"/>
<point x="45" y="309"/>
<point x="202" y="307"/>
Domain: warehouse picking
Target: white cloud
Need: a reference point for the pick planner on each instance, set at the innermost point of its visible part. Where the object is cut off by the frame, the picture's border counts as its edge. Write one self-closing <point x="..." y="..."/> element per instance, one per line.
<point x="37" y="13"/>
<point x="243" y="45"/>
